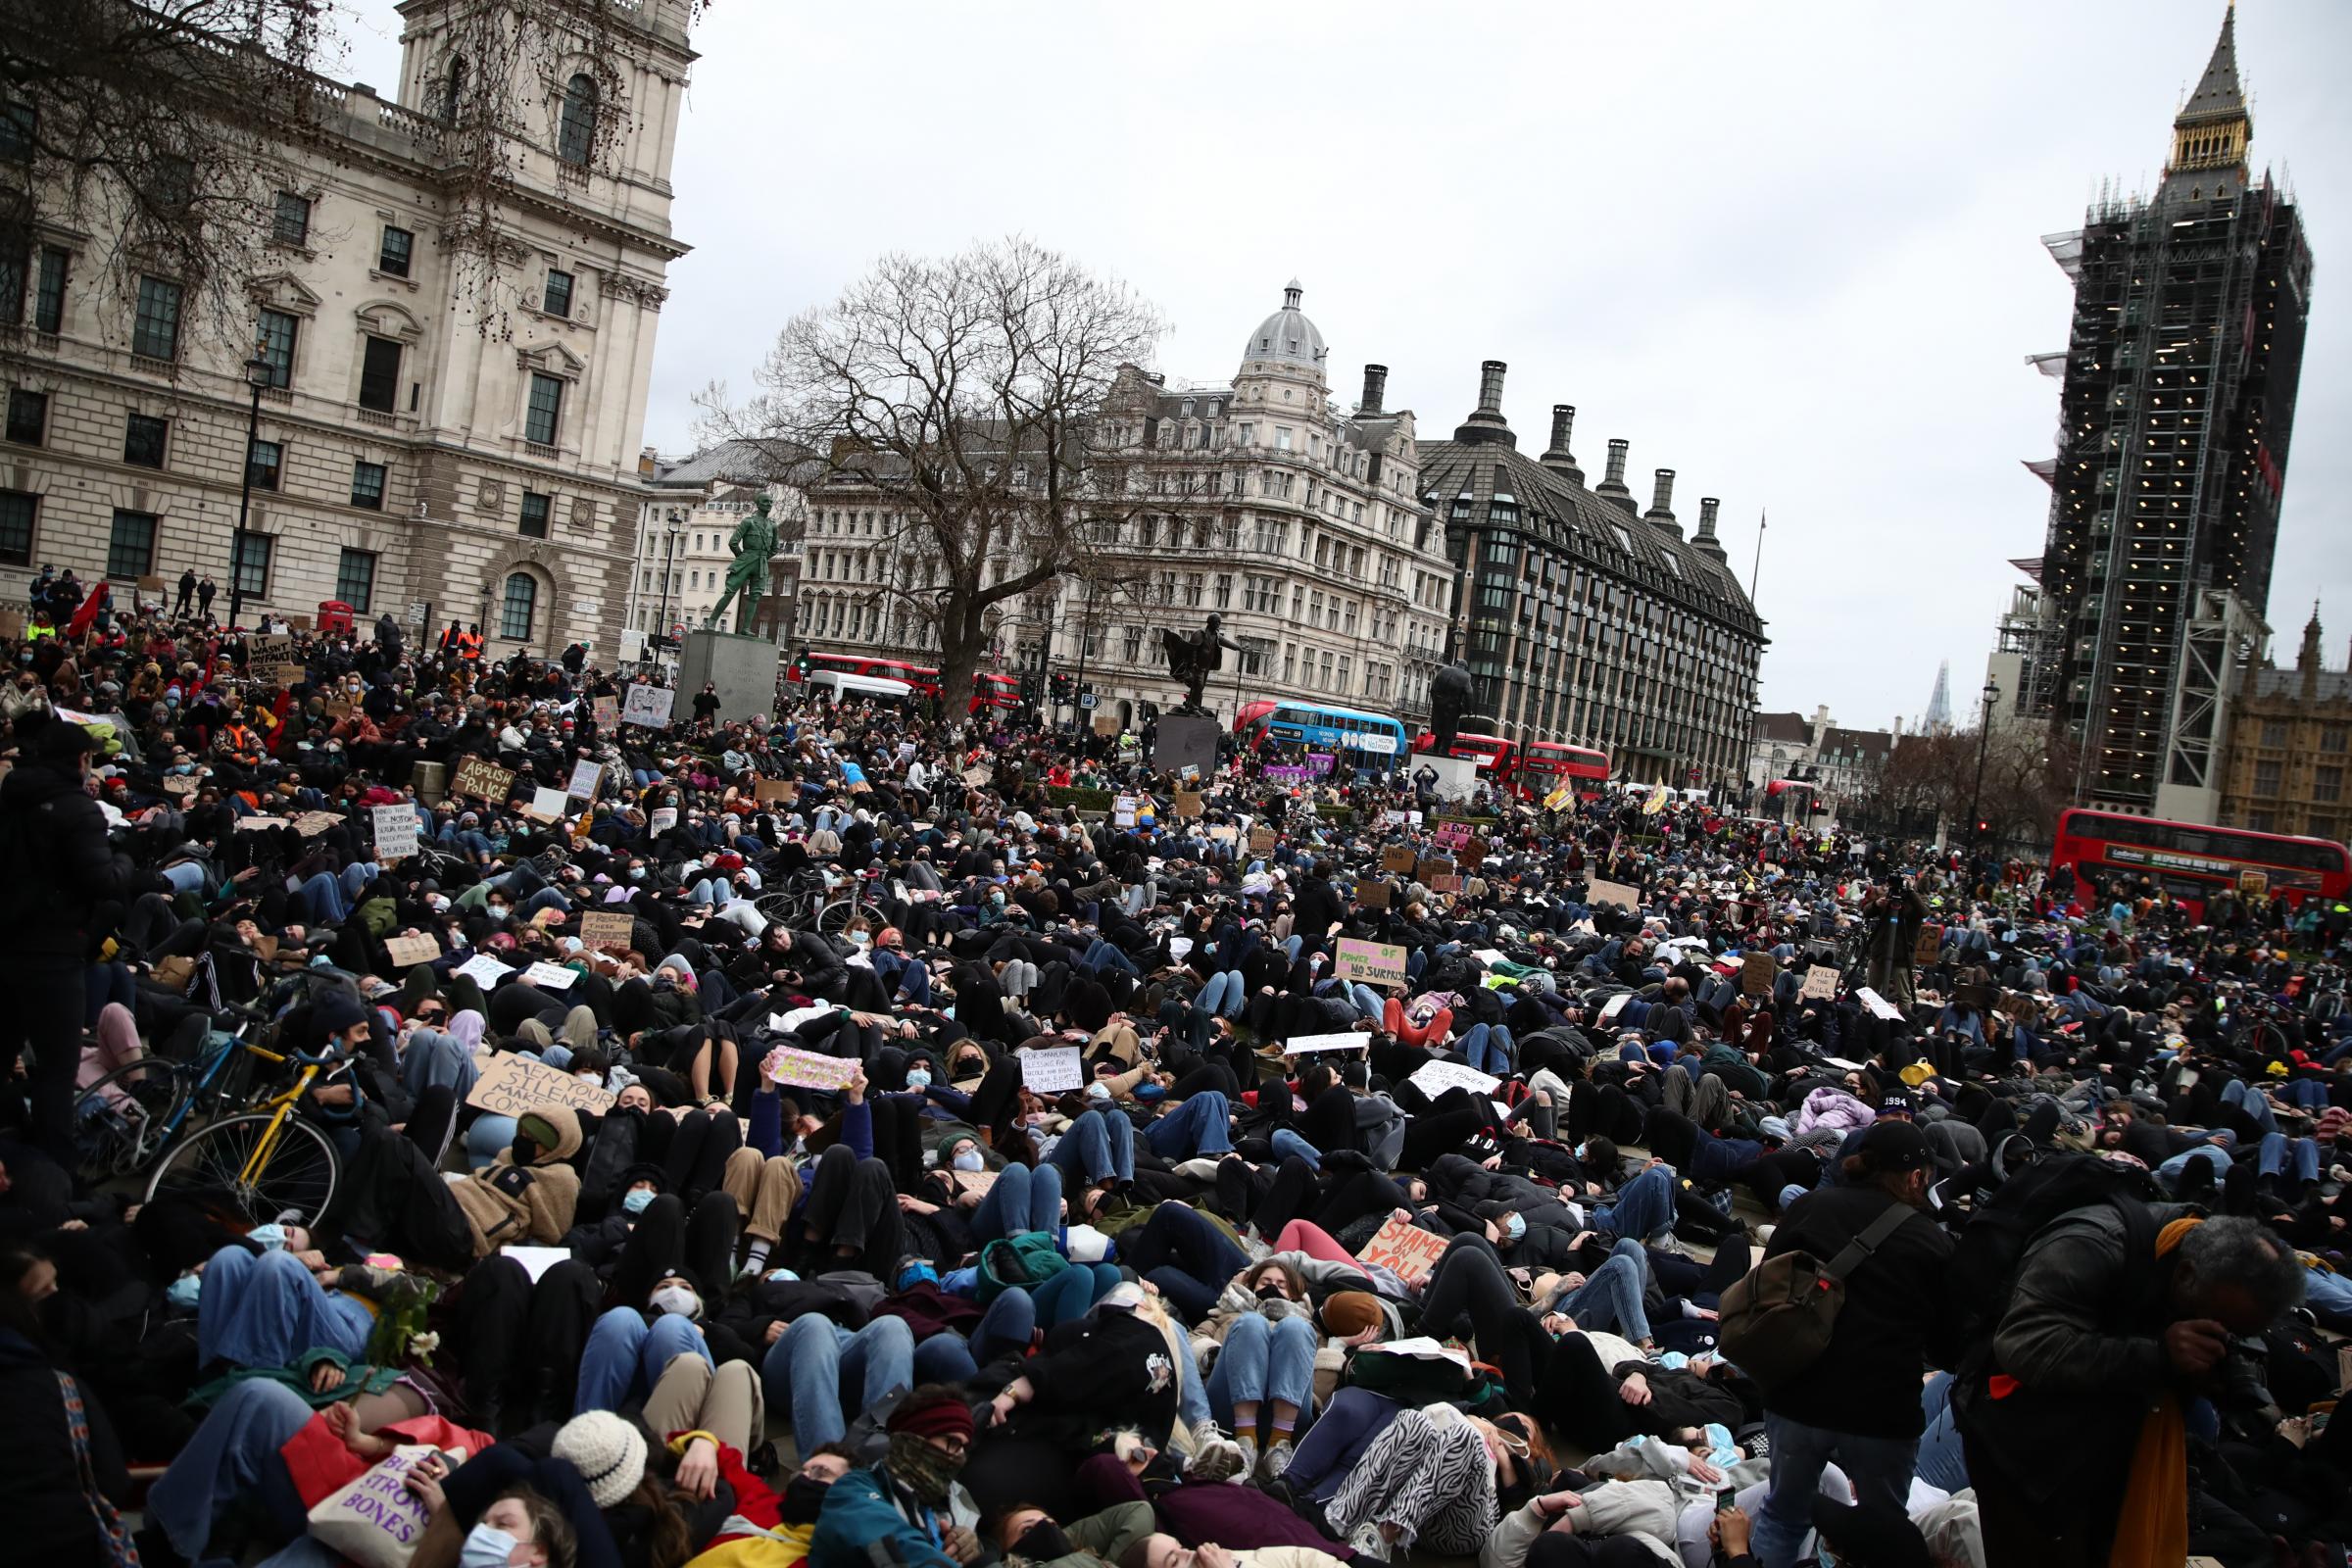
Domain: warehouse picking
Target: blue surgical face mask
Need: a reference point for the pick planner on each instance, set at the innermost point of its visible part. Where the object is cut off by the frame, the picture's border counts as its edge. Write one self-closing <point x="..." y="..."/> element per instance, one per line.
<point x="183" y="1290"/>
<point x="637" y="1198"/>
<point x="970" y="1159"/>
<point x="486" y="1547"/>
<point x="919" y="1077"/>
<point x="1514" y="1226"/>
<point x="782" y="1276"/>
<point x="272" y="1236"/>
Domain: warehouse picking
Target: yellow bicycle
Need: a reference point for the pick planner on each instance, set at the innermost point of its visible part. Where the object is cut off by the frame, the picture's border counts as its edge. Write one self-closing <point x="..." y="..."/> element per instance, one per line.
<point x="270" y="1162"/>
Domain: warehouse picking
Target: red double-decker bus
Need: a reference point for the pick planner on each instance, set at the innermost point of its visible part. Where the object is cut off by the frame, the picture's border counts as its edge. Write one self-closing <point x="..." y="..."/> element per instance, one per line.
<point x="2191" y="861"/>
<point x="922" y="680"/>
<point x="1548" y="764"/>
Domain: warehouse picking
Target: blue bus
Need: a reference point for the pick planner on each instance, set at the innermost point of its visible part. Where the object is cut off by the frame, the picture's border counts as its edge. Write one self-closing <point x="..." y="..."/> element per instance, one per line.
<point x="1360" y="739"/>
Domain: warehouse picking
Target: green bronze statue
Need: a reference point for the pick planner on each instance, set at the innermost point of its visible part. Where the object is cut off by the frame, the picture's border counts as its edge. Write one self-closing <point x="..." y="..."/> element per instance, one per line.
<point x="754" y="546"/>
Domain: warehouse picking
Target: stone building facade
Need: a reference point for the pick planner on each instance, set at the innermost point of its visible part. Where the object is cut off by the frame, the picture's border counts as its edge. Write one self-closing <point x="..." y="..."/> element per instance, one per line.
<point x="432" y="435"/>
<point x="2291" y="748"/>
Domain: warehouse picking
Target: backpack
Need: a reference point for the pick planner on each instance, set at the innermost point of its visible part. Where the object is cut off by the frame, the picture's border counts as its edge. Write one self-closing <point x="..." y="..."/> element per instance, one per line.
<point x="1776" y="1322"/>
<point x="1993" y="1242"/>
<point x="1026" y="1258"/>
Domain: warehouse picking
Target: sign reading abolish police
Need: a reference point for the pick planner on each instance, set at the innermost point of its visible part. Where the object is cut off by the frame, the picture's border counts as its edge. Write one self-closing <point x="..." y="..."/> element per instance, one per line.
<point x="482" y="779"/>
<point x="514" y="1086"/>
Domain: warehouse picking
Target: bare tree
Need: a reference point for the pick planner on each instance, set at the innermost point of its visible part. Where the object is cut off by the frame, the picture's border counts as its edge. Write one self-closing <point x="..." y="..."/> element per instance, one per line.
<point x="966" y="394"/>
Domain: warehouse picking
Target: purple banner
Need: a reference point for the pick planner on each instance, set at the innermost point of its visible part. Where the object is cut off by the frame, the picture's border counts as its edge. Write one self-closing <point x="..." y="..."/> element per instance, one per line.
<point x="1318" y="763"/>
<point x="1287" y="775"/>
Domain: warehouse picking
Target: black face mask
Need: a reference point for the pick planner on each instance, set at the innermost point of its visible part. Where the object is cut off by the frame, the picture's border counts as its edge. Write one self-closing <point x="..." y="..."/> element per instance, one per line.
<point x="1270" y="1293"/>
<point x="1042" y="1542"/>
<point x="804" y="1498"/>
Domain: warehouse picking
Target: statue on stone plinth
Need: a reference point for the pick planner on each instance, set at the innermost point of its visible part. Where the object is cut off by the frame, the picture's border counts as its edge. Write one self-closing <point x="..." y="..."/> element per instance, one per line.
<point x="1194" y="657"/>
<point x="754" y="546"/>
<point x="1452" y="694"/>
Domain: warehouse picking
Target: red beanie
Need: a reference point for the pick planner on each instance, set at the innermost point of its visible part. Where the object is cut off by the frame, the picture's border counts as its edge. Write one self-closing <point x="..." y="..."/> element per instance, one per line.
<point x="943" y="1417"/>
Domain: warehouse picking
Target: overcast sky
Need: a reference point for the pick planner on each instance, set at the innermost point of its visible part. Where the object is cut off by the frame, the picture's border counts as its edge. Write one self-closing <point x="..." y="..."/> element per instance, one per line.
<point x="1789" y="250"/>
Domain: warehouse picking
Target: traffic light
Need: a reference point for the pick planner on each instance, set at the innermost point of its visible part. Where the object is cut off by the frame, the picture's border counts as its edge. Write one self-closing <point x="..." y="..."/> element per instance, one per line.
<point x="800" y="665"/>
<point x="1063" y="689"/>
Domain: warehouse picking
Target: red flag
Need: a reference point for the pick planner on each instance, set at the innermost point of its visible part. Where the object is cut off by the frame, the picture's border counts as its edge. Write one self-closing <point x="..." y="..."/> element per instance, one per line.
<point x="88" y="614"/>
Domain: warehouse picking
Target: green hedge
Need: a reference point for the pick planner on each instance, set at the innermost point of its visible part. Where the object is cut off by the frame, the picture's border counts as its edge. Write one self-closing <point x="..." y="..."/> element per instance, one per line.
<point x="1083" y="799"/>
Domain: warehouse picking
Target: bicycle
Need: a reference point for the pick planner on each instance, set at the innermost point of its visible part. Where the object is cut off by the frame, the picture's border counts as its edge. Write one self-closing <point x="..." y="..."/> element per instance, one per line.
<point x="805" y="903"/>
<point x="268" y="1160"/>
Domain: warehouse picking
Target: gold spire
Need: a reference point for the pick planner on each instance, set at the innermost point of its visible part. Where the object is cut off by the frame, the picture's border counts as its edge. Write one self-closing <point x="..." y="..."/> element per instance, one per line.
<point x="2213" y="127"/>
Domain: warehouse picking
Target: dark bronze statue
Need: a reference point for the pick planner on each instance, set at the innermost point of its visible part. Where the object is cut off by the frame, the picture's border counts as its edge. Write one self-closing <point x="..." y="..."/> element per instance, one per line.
<point x="1194" y="657"/>
<point x="1451" y="694"/>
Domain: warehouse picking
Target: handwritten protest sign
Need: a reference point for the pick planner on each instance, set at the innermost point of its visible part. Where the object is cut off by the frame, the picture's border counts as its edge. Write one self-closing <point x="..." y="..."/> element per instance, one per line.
<point x="1374" y="963"/>
<point x="1050" y="1072"/>
<point x="1261" y="841"/>
<point x="547" y="806"/>
<point x="808" y="1070"/>
<point x="1930" y="944"/>
<point x="1187" y="803"/>
<point x="1757" y="971"/>
<point x="514" y="1086"/>
<point x="775" y="791"/>
<point x="586" y="778"/>
<point x="1372" y="892"/>
<point x="483" y="970"/>
<point x="648" y="704"/>
<point x="182" y="784"/>
<point x="1432" y="866"/>
<point x="407" y="952"/>
<point x="1308" y="1045"/>
<point x="1880" y="1006"/>
<point x="1398" y="858"/>
<point x="607" y="933"/>
<point x="1601" y="891"/>
<point x="606" y="710"/>
<point x="1404" y="1249"/>
<point x="482" y="779"/>
<point x="1433" y="1078"/>
<point x="1821" y="982"/>
<point x="261" y="650"/>
<point x="1615" y="1006"/>
<point x="310" y="824"/>
<point x="1122" y="811"/>
<point x="551" y="976"/>
<point x="395" y="831"/>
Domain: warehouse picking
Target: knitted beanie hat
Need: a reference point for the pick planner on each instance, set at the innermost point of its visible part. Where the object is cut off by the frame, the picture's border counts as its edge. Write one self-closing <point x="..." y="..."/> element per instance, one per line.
<point x="606" y="1449"/>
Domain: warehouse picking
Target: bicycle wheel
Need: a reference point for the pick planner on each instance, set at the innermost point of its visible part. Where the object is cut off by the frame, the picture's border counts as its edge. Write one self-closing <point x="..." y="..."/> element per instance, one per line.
<point x="2262" y="1039"/>
<point x="295" y="1183"/>
<point x="834" y="917"/>
<point x="121" y="1120"/>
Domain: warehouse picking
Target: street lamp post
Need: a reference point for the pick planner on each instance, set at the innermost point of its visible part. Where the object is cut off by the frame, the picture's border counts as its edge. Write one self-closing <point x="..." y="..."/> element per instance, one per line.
<point x="668" y="564"/>
<point x="258" y="373"/>
<point x="1993" y="695"/>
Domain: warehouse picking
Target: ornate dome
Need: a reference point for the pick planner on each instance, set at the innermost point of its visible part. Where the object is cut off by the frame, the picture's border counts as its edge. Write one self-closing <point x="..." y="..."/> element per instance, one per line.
<point x="1286" y="337"/>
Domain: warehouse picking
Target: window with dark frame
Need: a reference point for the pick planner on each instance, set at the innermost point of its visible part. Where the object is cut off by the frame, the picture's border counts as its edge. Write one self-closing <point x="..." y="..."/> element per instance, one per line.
<point x="293" y="226"/>
<point x="19" y="131"/>
<point x="49" y="294"/>
<point x="262" y="462"/>
<point x="557" y="300"/>
<point x="27" y="416"/>
<point x="393" y="254"/>
<point x="354" y="581"/>
<point x="154" y="328"/>
<point x="278" y="332"/>
<point x="379" y="375"/>
<point x="367" y="485"/>
<point x="19" y="509"/>
<point x="518" y="607"/>
<point x="12" y="291"/>
<point x="252" y="564"/>
<point x="535" y="510"/>
<point x="144" y="438"/>
<point x="546" y="413"/>
<point x="130" y="546"/>
<point x="576" y="133"/>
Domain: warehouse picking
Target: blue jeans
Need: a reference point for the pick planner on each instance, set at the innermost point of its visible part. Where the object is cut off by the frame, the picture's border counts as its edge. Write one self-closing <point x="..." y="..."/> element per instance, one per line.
<point x="2250" y="1099"/>
<point x="1200" y="1125"/>
<point x="625" y="1355"/>
<point x="1225" y="995"/>
<point x="1022" y="1199"/>
<point x="1097" y="1146"/>
<point x="1099" y="953"/>
<point x="1879" y="1469"/>
<point x="1285" y="1142"/>
<point x="1942" y="1464"/>
<point x="2213" y="1154"/>
<point x="803" y="1370"/>
<point x="267" y="1311"/>
<point x="233" y="1459"/>
<point x="1489" y="1047"/>
<point x="1006" y="1326"/>
<point x="1610" y="1298"/>
<point x="2278" y="1152"/>
<point x="1645" y="1207"/>
<point x="1263" y="1360"/>
<point x="2330" y="1298"/>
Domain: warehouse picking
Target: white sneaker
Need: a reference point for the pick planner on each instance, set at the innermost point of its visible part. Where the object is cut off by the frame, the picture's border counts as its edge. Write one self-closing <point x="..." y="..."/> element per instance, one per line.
<point x="1277" y="1459"/>
<point x="1249" y="1449"/>
<point x="1215" y="1456"/>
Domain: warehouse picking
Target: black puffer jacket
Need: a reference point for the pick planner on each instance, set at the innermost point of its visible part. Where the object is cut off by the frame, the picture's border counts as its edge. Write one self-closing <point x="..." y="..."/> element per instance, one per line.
<point x="59" y="877"/>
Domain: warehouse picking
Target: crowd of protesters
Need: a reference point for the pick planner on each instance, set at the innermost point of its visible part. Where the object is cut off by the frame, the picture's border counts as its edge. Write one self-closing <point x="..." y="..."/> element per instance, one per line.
<point x="971" y="1147"/>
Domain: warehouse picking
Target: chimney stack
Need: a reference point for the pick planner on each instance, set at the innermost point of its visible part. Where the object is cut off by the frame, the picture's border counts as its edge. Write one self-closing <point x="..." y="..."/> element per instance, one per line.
<point x="1486" y="425"/>
<point x="1613" y="486"/>
<point x="1376" y="386"/>
<point x="1558" y="459"/>
<point x="1706" y="544"/>
<point x="1661" y="504"/>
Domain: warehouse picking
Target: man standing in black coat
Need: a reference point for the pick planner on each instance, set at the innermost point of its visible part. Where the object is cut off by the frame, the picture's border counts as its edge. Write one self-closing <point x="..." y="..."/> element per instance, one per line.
<point x="1319" y="907"/>
<point x="61" y="885"/>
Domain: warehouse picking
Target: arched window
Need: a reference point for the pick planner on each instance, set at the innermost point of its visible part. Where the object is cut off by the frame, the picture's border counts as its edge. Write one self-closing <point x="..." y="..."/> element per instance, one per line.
<point x="575" y="138"/>
<point x="520" y="607"/>
<point x="453" y="98"/>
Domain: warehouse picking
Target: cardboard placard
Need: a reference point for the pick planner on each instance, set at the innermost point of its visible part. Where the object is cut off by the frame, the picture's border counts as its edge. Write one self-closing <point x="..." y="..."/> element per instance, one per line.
<point x="482" y="779"/>
<point x="1261" y="841"/>
<point x="547" y="806"/>
<point x="587" y="778"/>
<point x="606" y="710"/>
<point x="1615" y="1006"/>
<point x="607" y="933"/>
<point x="648" y="706"/>
<point x="1443" y="882"/>
<point x="1929" y="946"/>
<point x="810" y="1070"/>
<point x="551" y="976"/>
<point x="1976" y="994"/>
<point x="2021" y="1006"/>
<point x="2253" y="884"/>
<point x="1601" y="891"/>
<point x="310" y="824"/>
<point x="1373" y="963"/>
<point x="1757" y="971"/>
<point x="1472" y="854"/>
<point x="289" y="676"/>
<point x="1372" y="892"/>
<point x="1224" y="833"/>
<point x="514" y="1085"/>
<point x="1433" y="865"/>
<point x="775" y="791"/>
<point x="1309" y="1044"/>
<point x="266" y="650"/>
<point x="182" y="784"/>
<point x="1187" y="803"/>
<point x="1405" y="1251"/>
<point x="1051" y="1072"/>
<point x="1821" y="981"/>
<point x="406" y="952"/>
<point x="1107" y="724"/>
<point x="1433" y="1078"/>
<point x="1398" y="858"/>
